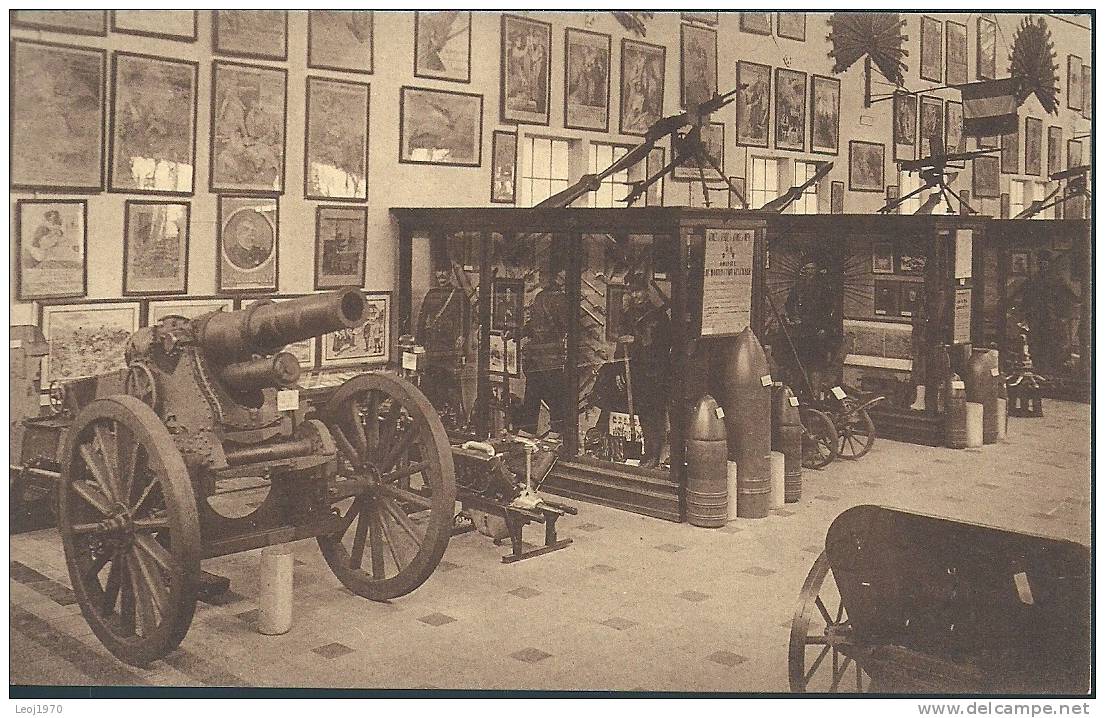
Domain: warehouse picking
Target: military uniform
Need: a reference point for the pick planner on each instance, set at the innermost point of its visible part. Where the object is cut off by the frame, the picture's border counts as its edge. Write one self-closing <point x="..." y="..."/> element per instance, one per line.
<point x="544" y="359"/>
<point x="650" y="372"/>
<point x="441" y="324"/>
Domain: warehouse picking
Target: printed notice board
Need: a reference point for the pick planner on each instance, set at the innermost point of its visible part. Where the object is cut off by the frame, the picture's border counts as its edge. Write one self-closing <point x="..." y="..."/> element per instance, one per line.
<point x="727" y="281"/>
<point x="961" y="326"/>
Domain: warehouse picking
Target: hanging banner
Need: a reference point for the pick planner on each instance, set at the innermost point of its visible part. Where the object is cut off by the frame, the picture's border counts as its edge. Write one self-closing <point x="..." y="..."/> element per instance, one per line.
<point x="727" y="281"/>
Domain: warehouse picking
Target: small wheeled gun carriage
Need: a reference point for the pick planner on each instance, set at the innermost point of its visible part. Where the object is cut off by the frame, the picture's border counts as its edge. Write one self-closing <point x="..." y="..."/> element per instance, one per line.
<point x="907" y="603"/>
<point x="152" y="458"/>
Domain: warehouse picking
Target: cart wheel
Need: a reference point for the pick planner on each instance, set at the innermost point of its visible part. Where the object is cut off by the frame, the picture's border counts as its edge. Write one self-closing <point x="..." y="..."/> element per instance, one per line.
<point x="392" y="443"/>
<point x="140" y="383"/>
<point x="857" y="435"/>
<point x="819" y="439"/>
<point x="821" y="626"/>
<point x="130" y="529"/>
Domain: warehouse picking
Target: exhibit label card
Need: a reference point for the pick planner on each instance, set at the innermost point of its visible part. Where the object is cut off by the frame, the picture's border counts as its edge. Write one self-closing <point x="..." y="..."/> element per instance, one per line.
<point x="961" y="324"/>
<point x="727" y="281"/>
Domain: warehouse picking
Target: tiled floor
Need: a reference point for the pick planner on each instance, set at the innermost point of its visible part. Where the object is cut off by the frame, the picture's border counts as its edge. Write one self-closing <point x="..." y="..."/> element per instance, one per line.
<point x="634" y="603"/>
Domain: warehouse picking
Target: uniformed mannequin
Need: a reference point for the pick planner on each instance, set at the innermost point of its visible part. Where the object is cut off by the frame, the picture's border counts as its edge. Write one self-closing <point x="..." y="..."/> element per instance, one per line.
<point x="649" y="364"/>
<point x="441" y="323"/>
<point x="544" y="354"/>
<point x="813" y="324"/>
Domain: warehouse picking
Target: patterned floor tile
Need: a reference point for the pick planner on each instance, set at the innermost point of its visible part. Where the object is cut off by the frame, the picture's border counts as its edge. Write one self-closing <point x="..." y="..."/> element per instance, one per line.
<point x="757" y="571"/>
<point x="984" y="485"/>
<point x="670" y="547"/>
<point x="602" y="568"/>
<point x="446" y="566"/>
<point x="730" y="529"/>
<point x="437" y="619"/>
<point x="827" y="497"/>
<point x="726" y="658"/>
<point x="619" y="624"/>
<point x="814" y="548"/>
<point x="693" y="596"/>
<point x="333" y="650"/>
<point x="782" y="512"/>
<point x="524" y="592"/>
<point x="530" y="655"/>
<point x="589" y="527"/>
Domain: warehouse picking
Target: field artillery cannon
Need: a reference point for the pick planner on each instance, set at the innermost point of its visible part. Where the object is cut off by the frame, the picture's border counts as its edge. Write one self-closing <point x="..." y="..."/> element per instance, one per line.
<point x="908" y="603"/>
<point x="151" y="459"/>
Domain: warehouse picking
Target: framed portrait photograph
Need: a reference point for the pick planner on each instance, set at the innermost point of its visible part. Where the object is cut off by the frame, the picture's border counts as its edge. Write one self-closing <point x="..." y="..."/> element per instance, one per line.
<point x="1018" y="264"/>
<point x="791" y="25"/>
<point x="182" y="25"/>
<point x="1010" y="153"/>
<point x="251" y="33"/>
<point x="51" y="248"/>
<point x="932" y="125"/>
<point x="886" y="298"/>
<point x="155" y="247"/>
<point x="1033" y="146"/>
<point x="1054" y="150"/>
<point x="187" y="308"/>
<point x="790" y="109"/>
<point x="248" y="246"/>
<point x="153" y="125"/>
<point x="504" y="161"/>
<point x="341" y="242"/>
<point x="713" y="139"/>
<point x="954" y="138"/>
<point x="586" y="80"/>
<point x="77" y="22"/>
<point x="340" y="40"/>
<point x="86" y="339"/>
<point x="698" y="64"/>
<point x="753" y="103"/>
<point x="654" y="161"/>
<point x="909" y="298"/>
<point x="932" y="49"/>
<point x="985" y="177"/>
<point x="986" y="31"/>
<point x="1074" y="82"/>
<point x="443" y="45"/>
<point x="507" y="297"/>
<point x="335" y="153"/>
<point x="824" y="115"/>
<point x="56" y="109"/>
<point x="526" y="62"/>
<point x="956" y="54"/>
<point x="305" y="351"/>
<point x="836" y="198"/>
<point x="642" y="78"/>
<point x="866" y="162"/>
<point x="882" y="258"/>
<point x="758" y="23"/>
<point x="1087" y="92"/>
<point x="248" y="111"/>
<point x="708" y="18"/>
<point x="368" y="343"/>
<point x="905" y="126"/>
<point x="440" y="127"/>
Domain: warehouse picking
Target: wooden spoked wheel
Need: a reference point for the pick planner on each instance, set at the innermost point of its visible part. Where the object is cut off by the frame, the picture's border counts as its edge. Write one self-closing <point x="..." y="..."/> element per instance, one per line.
<point x="820" y="628"/>
<point x="140" y="383"/>
<point x="396" y="486"/>
<point x="820" y="442"/>
<point x="857" y="434"/>
<point x="129" y="526"/>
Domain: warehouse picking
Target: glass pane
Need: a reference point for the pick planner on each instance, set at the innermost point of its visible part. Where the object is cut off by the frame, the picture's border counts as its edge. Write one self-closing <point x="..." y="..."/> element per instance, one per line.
<point x="541" y="159"/>
<point x="560" y="160"/>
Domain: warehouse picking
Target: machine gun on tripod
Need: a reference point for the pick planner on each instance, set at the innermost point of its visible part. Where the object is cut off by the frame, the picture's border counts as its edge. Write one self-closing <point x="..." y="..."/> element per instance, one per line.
<point x="1075" y="187"/>
<point x="933" y="171"/>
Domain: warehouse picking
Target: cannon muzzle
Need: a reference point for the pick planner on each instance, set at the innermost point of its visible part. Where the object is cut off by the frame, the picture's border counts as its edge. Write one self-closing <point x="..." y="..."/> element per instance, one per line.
<point x="278" y="371"/>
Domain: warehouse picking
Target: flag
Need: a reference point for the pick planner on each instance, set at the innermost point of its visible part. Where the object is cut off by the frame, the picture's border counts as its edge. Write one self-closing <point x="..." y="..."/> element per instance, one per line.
<point x="989" y="107"/>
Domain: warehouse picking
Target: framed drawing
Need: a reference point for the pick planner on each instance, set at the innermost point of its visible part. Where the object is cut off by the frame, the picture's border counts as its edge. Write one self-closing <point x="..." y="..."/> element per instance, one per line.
<point x="251" y="33"/>
<point x="153" y="125"/>
<point x="341" y="242"/>
<point x="303" y="351"/>
<point x="713" y="138"/>
<point x="443" y="45"/>
<point x="1074" y="154"/>
<point x="504" y="160"/>
<point x="986" y="52"/>
<point x="882" y="258"/>
<point x="790" y="109"/>
<point x="912" y="264"/>
<point x="836" y="198"/>
<point x="78" y="22"/>
<point x="955" y="35"/>
<point x="155" y="248"/>
<point x="932" y="49"/>
<point x="642" y="77"/>
<point x="698" y="64"/>
<point x="1033" y="146"/>
<point x="367" y="344"/>
<point x="758" y="23"/>
<point x="51" y="248"/>
<point x="335" y="151"/>
<point x="886" y="298"/>
<point x="932" y="125"/>
<point x="1074" y="82"/>
<point x="1087" y="92"/>
<point x="865" y="166"/>
<point x="654" y="195"/>
<point x="165" y="24"/>
<point x="905" y="126"/>
<point x="526" y="64"/>
<point x="248" y="246"/>
<point x="506" y="304"/>
<point x="954" y="139"/>
<point x="56" y="109"/>
<point x="909" y="298"/>
<point x="438" y="127"/>
<point x="753" y="103"/>
<point x="586" y="80"/>
<point x="739" y="184"/>
<point x="709" y="18"/>
<point x="248" y="112"/>
<point x="1018" y="264"/>
<point x="1054" y="150"/>
<point x="187" y="308"/>
<point x="1010" y="153"/>
<point x="986" y="179"/>
<point x="824" y="114"/>
<point x="86" y="339"/>
<point x="340" y="40"/>
<point x="791" y="25"/>
<point x="1004" y="208"/>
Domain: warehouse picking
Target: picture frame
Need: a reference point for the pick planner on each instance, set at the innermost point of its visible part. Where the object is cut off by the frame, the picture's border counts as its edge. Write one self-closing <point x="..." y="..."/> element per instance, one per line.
<point x="526" y="70"/>
<point x="985" y="177"/>
<point x="341" y="246"/>
<point x="757" y="23"/>
<point x="503" y="355"/>
<point x="955" y="54"/>
<point x="697" y="64"/>
<point x="891" y="195"/>
<point x="931" y="124"/>
<point x="251" y="33"/>
<point x="586" y="80"/>
<point x="155" y="247"/>
<point x="187" y="308"/>
<point x="504" y="164"/>
<point x="335" y="144"/>
<point x="932" y="49"/>
<point x="443" y="45"/>
<point x="740" y="185"/>
<point x="76" y="22"/>
<point x="791" y="25"/>
<point x="51" y="249"/>
<point x="909" y="298"/>
<point x="1004" y="209"/>
<point x="342" y="40"/>
<point x="824" y="115"/>
<point x="369" y="343"/>
<point x="1010" y="152"/>
<point x="836" y="197"/>
<point x="86" y="339"/>
<point x="1054" y="150"/>
<point x="911" y="264"/>
<point x="986" y="48"/>
<point x="886" y="298"/>
<point x="152" y="146"/>
<point x="57" y="110"/>
<point x="866" y="166"/>
<point x="642" y="86"/>
<point x="1019" y="264"/>
<point x="507" y="297"/>
<point x="248" y="240"/>
<point x="1074" y="154"/>
<point x="1087" y="92"/>
<point x="790" y="109"/>
<point x="306" y="351"/>
<point x="905" y="126"/>
<point x="882" y="258"/>
<point x="753" y="104"/>
<point x="654" y="161"/>
<point x="1033" y="146"/>
<point x="713" y="138"/>
<point x="955" y="139"/>
<point x="256" y="166"/>
<point x="180" y="25"/>
<point x="1074" y="82"/>
<point x="448" y="126"/>
<point x="989" y="142"/>
<point x="708" y="18"/>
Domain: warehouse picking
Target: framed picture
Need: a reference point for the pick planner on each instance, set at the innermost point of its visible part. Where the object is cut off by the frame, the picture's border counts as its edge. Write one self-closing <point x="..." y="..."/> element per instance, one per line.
<point x="56" y="111"/>
<point x="986" y="49"/>
<point x="886" y="298"/>
<point x="713" y="139"/>
<point x="824" y="114"/>
<point x="153" y="125"/>
<point x="905" y="126"/>
<point x="1018" y="264"/>
<point x="642" y="77"/>
<point x="78" y="22"/>
<point x="252" y="33"/>
<point x="1074" y="82"/>
<point x="248" y="246"/>
<point x="155" y="247"/>
<point x="790" y="109"/>
<point x="1033" y="146"/>
<point x="335" y="152"/>
<point x="986" y="179"/>
<point x="438" y="127"/>
<point x="51" y="248"/>
<point x="340" y="40"/>
<point x="954" y="139"/>
<point x="882" y="258"/>
<point x="1074" y="154"/>
<point x="503" y="357"/>
<point x="1054" y="150"/>
<point x="1004" y="206"/>
<point x="791" y="25"/>
<point x="758" y="23"/>
<point x="911" y="264"/>
<point x="504" y="161"/>
<point x="932" y="125"/>
<point x="187" y="308"/>
<point x="1010" y="153"/>
<point x="891" y="195"/>
<point x="932" y="49"/>
<point x="836" y="197"/>
<point x="739" y="184"/>
<point x="367" y="344"/>
<point x="443" y="45"/>
<point x="165" y="24"/>
<point x="989" y="142"/>
<point x="1087" y="92"/>
<point x="526" y="64"/>
<point x="698" y="64"/>
<point x="956" y="38"/>
<point x="341" y="242"/>
<point x="586" y="80"/>
<point x="965" y="208"/>
<point x="709" y="18"/>
<point x="248" y="115"/>
<point x="866" y="162"/>
<point x="753" y="103"/>
<point x="86" y="339"/>
<point x="909" y="298"/>
<point x="506" y="304"/>
<point x="305" y="351"/>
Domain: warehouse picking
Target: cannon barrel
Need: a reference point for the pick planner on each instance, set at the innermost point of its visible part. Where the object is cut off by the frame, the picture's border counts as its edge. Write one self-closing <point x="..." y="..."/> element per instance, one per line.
<point x="278" y="371"/>
<point x="267" y="327"/>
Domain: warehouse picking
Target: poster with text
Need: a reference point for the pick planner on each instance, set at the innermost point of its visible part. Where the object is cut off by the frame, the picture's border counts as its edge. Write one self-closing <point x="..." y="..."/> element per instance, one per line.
<point x="727" y="281"/>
